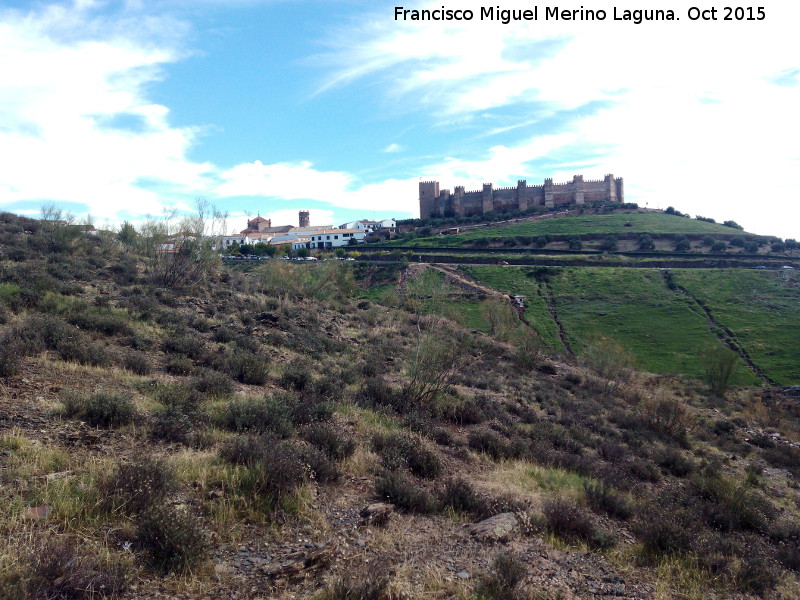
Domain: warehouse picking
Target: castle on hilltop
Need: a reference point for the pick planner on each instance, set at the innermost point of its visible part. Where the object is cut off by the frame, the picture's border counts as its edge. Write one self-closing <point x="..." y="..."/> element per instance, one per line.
<point x="436" y="203"/>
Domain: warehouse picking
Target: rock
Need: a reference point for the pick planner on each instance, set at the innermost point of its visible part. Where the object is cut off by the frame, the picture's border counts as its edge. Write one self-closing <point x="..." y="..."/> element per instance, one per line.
<point x="499" y="528"/>
<point x="214" y="494"/>
<point x="36" y="513"/>
<point x="56" y="476"/>
<point x="463" y="575"/>
<point x="378" y="513"/>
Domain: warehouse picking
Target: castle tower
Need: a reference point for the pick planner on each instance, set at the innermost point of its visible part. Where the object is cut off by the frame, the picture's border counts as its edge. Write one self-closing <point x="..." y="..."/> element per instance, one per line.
<point x="522" y="195"/>
<point x="578" y="189"/>
<point x="428" y="193"/>
<point x="305" y="218"/>
<point x="548" y="193"/>
<point x="488" y="198"/>
<point x="458" y="199"/>
<point x="610" y="185"/>
<point x="620" y="190"/>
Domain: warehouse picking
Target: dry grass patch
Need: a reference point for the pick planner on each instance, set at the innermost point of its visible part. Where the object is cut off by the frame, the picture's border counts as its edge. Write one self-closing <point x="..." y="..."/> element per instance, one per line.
<point x="531" y="482"/>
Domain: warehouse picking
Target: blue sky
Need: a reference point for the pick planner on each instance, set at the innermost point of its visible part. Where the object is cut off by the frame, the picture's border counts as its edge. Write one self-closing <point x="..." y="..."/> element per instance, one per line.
<point x="123" y="109"/>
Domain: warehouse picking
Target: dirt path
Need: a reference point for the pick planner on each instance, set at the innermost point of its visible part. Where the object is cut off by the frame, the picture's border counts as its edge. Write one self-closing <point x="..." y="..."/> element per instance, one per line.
<point x="550" y="299"/>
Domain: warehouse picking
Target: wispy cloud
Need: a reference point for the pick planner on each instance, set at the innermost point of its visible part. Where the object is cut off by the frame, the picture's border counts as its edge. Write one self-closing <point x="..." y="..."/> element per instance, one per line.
<point x="77" y="124"/>
<point x="391" y="148"/>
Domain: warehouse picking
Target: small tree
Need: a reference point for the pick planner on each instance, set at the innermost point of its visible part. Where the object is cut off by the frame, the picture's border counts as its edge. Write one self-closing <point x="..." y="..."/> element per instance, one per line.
<point x="303" y="252"/>
<point x="682" y="244"/>
<point x="718" y="364"/>
<point x="575" y="243"/>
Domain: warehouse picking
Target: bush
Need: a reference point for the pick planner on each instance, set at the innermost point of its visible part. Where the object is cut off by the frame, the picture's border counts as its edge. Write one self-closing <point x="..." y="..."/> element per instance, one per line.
<point x="11" y="353"/>
<point x="136" y="362"/>
<point x="571" y="523"/>
<point x="718" y="364"/>
<point x="172" y="539"/>
<point x="59" y="570"/>
<point x="296" y="376"/>
<point x="504" y="583"/>
<point x="172" y="425"/>
<point x="729" y="506"/>
<point x="459" y="494"/>
<point x="602" y="498"/>
<point x="179" y="365"/>
<point x="489" y="442"/>
<point x="322" y="467"/>
<point x="104" y="409"/>
<point x="673" y="461"/>
<point x="756" y="574"/>
<point x="664" y="529"/>
<point x="258" y="415"/>
<point x="212" y="383"/>
<point x="246" y="368"/>
<point x="137" y="486"/>
<point x="401" y="450"/>
<point x="404" y="493"/>
<point x="372" y="585"/>
<point x="279" y="472"/>
<point x="330" y="441"/>
<point x="719" y="246"/>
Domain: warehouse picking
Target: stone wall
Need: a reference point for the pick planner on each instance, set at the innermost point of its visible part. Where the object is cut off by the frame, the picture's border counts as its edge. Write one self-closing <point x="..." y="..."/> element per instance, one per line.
<point x="434" y="202"/>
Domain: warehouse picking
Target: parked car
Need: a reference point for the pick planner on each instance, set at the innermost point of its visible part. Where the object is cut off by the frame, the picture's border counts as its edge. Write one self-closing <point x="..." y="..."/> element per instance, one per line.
<point x="788" y="267"/>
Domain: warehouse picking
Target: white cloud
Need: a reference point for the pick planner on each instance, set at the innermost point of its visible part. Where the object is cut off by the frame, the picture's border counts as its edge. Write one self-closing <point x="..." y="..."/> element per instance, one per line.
<point x="68" y="79"/>
<point x="699" y="115"/>
<point x="391" y="148"/>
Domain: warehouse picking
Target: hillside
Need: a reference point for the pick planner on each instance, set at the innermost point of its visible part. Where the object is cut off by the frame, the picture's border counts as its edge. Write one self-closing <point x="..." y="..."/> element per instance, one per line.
<point x="170" y="427"/>
<point x="555" y="231"/>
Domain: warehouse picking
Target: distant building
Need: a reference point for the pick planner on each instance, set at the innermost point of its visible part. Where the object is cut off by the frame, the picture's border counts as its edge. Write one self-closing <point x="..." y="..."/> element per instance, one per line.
<point x="436" y="203"/>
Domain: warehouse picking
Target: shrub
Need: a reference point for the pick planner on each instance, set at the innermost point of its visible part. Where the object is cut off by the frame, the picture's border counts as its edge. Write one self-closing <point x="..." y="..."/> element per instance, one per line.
<point x="258" y="415"/>
<point x="372" y="585"/>
<point x="296" y="376"/>
<point x="664" y="529"/>
<point x="322" y="467"/>
<point x="172" y="539"/>
<point x="104" y="409"/>
<point x="330" y="441"/>
<point x="247" y="368"/>
<point x="602" y="498"/>
<point x="10" y="354"/>
<point x="504" y="583"/>
<point x="172" y="425"/>
<point x="136" y="486"/>
<point x="136" y="362"/>
<point x="401" y="450"/>
<point x="404" y="493"/>
<point x="212" y="383"/>
<point x="756" y="574"/>
<point x="673" y="461"/>
<point x="719" y="246"/>
<point x="459" y="494"/>
<point x="570" y="522"/>
<point x="489" y="442"/>
<point x="179" y="365"/>
<point x="81" y="350"/>
<point x="730" y="506"/>
<point x="279" y="472"/>
<point x="718" y="364"/>
<point x="188" y="344"/>
<point x="59" y="570"/>
<point x="682" y="244"/>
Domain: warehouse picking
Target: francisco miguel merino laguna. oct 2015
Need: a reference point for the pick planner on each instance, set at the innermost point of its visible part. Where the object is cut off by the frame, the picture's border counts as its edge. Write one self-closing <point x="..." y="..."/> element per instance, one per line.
<point x="554" y="13"/>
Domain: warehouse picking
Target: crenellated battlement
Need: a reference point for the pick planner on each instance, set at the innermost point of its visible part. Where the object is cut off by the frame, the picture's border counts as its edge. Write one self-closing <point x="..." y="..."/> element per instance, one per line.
<point x="579" y="191"/>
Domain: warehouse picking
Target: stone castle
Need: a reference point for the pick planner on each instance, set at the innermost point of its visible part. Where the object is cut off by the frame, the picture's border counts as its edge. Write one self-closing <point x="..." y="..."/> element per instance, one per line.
<point x="436" y="203"/>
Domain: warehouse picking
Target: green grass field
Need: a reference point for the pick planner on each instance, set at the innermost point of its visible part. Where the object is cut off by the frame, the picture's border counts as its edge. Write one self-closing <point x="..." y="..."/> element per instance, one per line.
<point x="762" y="308"/>
<point x="651" y="222"/>
<point x="513" y="280"/>
<point x="663" y="329"/>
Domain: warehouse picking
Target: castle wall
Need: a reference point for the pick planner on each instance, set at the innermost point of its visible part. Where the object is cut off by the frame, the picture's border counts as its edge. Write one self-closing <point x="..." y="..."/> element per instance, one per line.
<point x="436" y="203"/>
